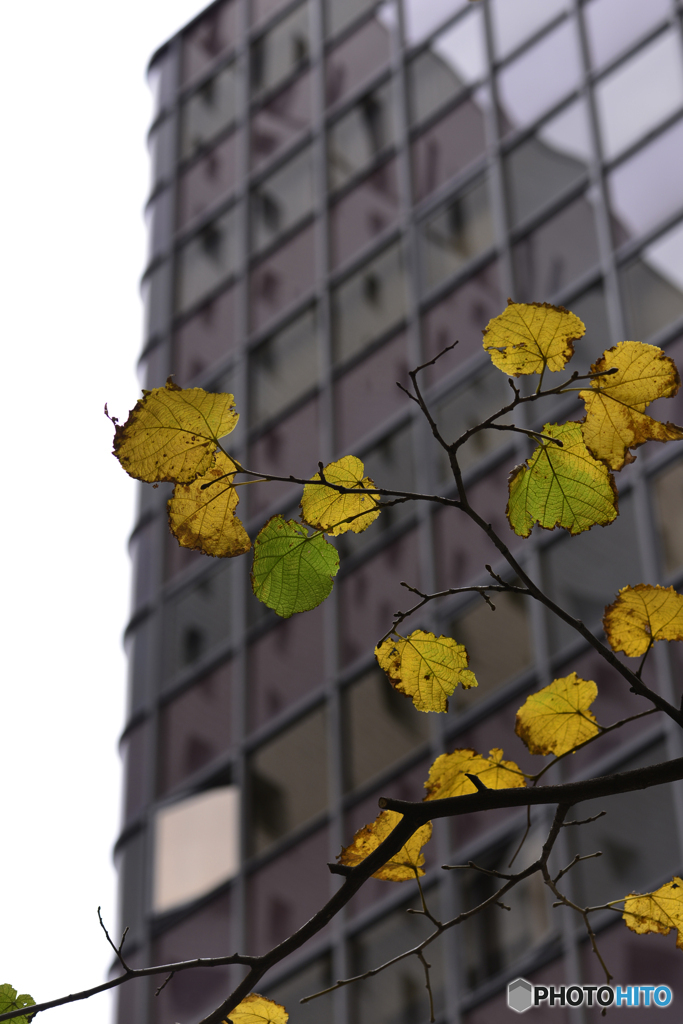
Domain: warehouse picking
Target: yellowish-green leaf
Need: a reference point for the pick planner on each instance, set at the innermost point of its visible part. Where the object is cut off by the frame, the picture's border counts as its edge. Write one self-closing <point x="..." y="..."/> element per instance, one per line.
<point x="425" y="667"/>
<point x="256" y="1009"/>
<point x="557" y="719"/>
<point x="615" y="405"/>
<point x="203" y="517"/>
<point x="404" y="865"/>
<point x="530" y="337"/>
<point x="658" y="912"/>
<point x="448" y="774"/>
<point x="9" y="1000"/>
<point x="561" y="486"/>
<point x="335" y="513"/>
<point x="293" y="570"/>
<point x="172" y="433"/>
<point x="640" y="616"/>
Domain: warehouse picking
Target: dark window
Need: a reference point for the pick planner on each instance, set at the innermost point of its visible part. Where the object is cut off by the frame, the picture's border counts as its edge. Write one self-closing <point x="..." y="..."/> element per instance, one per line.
<point x="206" y="338"/>
<point x="381" y="727"/>
<point x="338" y="16"/>
<point x="279" y="121"/>
<point x="207" y="182"/>
<point x="282" y="200"/>
<point x="288" y="780"/>
<point x="206" y="260"/>
<point x="282" y="278"/>
<point x="207" y="112"/>
<point x="356" y="59"/>
<point x="363" y="214"/>
<point x="456" y="234"/>
<point x="357" y="138"/>
<point x="283" y="368"/>
<point x="279" y="52"/>
<point x="211" y="36"/>
<point x="197" y="621"/>
<point x="668" y="500"/>
<point x="554" y="255"/>
<point x="368" y="303"/>
<point x="314" y="978"/>
<point x="447" y="148"/>
<point x="367" y="393"/>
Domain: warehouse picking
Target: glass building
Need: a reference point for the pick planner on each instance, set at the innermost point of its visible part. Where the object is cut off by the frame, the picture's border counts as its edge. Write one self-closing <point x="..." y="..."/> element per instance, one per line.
<point x="340" y="189"/>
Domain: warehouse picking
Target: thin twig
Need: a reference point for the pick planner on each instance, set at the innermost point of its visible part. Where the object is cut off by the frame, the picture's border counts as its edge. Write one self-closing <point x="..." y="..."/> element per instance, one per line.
<point x="117" y="949"/>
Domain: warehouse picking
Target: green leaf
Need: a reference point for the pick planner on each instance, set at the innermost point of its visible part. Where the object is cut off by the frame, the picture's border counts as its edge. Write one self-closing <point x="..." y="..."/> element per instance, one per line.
<point x="9" y="1000"/>
<point x="293" y="570"/>
<point x="561" y="486"/>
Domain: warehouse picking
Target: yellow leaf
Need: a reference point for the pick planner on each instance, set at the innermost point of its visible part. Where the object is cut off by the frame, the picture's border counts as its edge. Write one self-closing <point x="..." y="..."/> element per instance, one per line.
<point x="561" y="486"/>
<point x="257" y="1009"/>
<point x="448" y="774"/>
<point x="204" y="518"/>
<point x="425" y="667"/>
<point x="642" y="614"/>
<point x="557" y="719"/>
<point x="404" y="865"/>
<point x="615" y="405"/>
<point x="328" y="510"/>
<point x="532" y="337"/>
<point x="658" y="912"/>
<point x="172" y="433"/>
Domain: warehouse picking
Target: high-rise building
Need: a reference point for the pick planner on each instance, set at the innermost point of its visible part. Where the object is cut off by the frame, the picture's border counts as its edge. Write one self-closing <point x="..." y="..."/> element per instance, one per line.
<point x="340" y="189"/>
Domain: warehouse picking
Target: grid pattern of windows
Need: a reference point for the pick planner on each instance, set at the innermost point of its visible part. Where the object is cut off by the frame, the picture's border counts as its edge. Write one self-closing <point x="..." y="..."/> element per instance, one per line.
<point x="340" y="189"/>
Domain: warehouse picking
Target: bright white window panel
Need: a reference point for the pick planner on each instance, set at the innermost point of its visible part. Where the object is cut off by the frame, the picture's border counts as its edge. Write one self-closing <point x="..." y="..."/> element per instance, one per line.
<point x="196" y="846"/>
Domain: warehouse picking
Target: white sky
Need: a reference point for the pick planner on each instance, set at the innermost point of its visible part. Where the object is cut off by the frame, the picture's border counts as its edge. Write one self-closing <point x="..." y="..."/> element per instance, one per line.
<point x="73" y="177"/>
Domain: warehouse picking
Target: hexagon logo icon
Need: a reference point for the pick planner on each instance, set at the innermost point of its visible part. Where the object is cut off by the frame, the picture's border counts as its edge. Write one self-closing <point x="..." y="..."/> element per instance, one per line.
<point x="520" y="995"/>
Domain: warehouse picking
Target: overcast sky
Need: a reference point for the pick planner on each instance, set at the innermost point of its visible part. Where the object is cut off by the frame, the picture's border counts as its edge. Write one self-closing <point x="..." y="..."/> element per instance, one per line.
<point x="75" y="109"/>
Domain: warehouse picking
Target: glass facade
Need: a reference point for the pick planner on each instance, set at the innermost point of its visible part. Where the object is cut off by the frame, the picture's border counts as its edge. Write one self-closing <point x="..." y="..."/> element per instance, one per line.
<point x="340" y="189"/>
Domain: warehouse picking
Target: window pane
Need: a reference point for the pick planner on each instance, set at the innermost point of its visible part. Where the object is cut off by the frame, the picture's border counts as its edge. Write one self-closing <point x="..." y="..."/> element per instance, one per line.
<point x="368" y="303"/>
<point x="548" y="163"/>
<point x="156" y="297"/>
<point x="639" y="94"/>
<point x="447" y="148"/>
<point x="465" y="407"/>
<point x="281" y="119"/>
<point x="360" y="136"/>
<point x="135" y="748"/>
<point x="284" y="664"/>
<point x="554" y="255"/>
<point x="493" y="663"/>
<point x="541" y="76"/>
<point x="358" y="217"/>
<point x="367" y="394"/>
<point x="207" y="932"/>
<point x="213" y="35"/>
<point x="282" y="200"/>
<point x="161" y="153"/>
<point x="492" y="941"/>
<point x="194" y="728"/>
<point x="369" y="596"/>
<point x="313" y="978"/>
<point x="278" y="53"/>
<point x="283" y="368"/>
<point x="517" y="20"/>
<point x="262" y="10"/>
<point x="207" y="112"/>
<point x="397" y="996"/>
<point x="461" y="317"/>
<point x="205" y="338"/>
<point x="453" y="60"/>
<point x="613" y="25"/>
<point x="390" y="464"/>
<point x="631" y="861"/>
<point x="206" y="260"/>
<point x="288" y="780"/>
<point x="207" y="182"/>
<point x="293" y="442"/>
<point x="338" y="16"/>
<point x="286" y="892"/>
<point x="283" y="278"/>
<point x="456" y="234"/>
<point x="381" y="727"/>
<point x="197" y="621"/>
<point x="584" y="574"/>
<point x="356" y="59"/>
<point x="422" y="18"/>
<point x="649" y="186"/>
<point x="652" y="285"/>
<point x="668" y="501"/>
